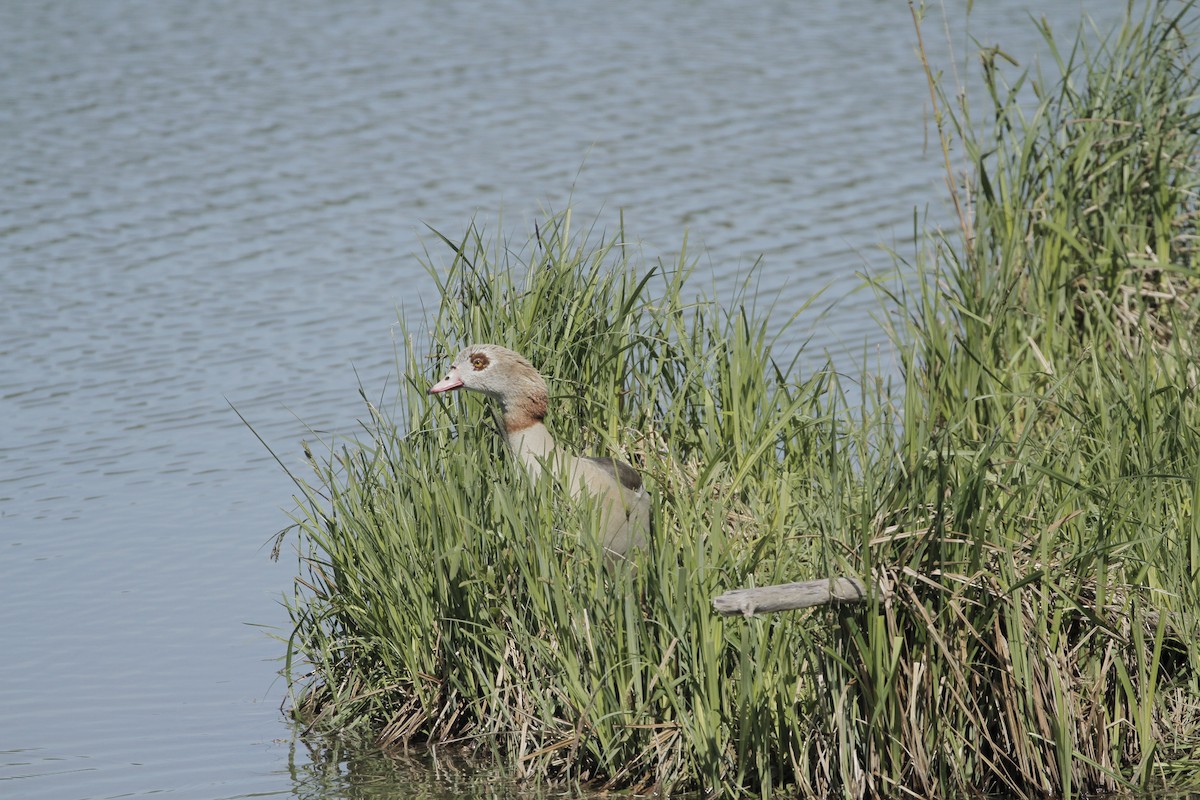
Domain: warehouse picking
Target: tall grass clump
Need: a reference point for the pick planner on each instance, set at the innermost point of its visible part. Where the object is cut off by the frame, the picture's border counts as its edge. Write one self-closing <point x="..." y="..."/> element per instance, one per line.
<point x="1024" y="511"/>
<point x="1036" y="529"/>
<point x="448" y="598"/>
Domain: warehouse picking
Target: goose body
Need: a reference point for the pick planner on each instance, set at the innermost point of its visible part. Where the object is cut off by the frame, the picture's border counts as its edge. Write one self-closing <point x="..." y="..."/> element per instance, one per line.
<point x="511" y="380"/>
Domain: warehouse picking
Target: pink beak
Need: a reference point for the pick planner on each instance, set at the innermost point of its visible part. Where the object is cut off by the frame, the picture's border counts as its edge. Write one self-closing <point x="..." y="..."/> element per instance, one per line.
<point x="448" y="383"/>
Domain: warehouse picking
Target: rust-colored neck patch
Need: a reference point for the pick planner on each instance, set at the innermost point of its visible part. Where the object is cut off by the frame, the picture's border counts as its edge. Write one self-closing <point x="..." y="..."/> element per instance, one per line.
<point x="526" y="413"/>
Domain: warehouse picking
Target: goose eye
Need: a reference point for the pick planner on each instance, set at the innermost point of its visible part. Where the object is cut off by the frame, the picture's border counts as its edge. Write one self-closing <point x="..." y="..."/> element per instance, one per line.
<point x="479" y="362"/>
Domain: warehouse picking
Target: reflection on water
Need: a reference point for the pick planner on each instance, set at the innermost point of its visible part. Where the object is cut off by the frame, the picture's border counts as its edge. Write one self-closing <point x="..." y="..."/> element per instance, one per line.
<point x="446" y="773"/>
<point x="205" y="204"/>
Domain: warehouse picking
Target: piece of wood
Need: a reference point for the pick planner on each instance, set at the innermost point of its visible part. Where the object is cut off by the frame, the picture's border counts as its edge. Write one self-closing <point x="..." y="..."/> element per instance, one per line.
<point x="790" y="596"/>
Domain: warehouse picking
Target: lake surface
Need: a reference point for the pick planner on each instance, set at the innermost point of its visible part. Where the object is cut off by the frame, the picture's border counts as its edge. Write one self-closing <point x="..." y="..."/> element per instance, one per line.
<point x="206" y="205"/>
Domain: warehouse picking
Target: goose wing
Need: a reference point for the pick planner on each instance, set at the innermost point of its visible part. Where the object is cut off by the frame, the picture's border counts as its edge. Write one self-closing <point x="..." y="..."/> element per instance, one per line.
<point x="627" y="476"/>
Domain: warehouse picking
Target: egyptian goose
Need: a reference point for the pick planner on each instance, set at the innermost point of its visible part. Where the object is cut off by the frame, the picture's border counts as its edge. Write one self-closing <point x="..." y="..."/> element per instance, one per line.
<point x="507" y="377"/>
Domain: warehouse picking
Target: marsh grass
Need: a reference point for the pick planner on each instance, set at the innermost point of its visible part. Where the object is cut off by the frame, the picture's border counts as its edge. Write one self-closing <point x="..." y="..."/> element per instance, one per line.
<point x="448" y="598"/>
<point x="1025" y="506"/>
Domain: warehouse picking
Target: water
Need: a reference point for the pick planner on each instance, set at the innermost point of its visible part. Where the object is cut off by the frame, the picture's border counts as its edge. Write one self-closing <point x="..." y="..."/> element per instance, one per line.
<point x="223" y="203"/>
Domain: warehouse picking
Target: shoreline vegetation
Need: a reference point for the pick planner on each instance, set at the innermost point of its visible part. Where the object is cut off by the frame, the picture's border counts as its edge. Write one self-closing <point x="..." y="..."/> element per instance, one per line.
<point x="1027" y="502"/>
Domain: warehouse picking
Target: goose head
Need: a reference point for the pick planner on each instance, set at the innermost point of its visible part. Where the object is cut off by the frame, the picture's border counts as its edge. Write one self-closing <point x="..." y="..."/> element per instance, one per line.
<point x="501" y="374"/>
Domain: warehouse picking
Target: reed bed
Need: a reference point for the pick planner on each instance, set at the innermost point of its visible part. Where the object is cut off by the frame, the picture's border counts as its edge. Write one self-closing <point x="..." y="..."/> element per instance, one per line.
<point x="1024" y="506"/>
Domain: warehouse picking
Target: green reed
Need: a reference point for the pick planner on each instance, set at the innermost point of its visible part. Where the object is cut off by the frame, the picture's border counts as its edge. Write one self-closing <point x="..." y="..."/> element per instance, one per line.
<point x="446" y="597"/>
<point x="1024" y="507"/>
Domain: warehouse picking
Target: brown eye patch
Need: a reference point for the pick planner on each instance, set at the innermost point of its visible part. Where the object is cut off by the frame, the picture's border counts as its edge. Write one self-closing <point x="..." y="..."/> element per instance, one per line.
<point x="479" y="361"/>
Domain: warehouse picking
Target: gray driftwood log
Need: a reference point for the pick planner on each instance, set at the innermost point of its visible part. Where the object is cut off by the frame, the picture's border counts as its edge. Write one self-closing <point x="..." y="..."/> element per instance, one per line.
<point x="790" y="596"/>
